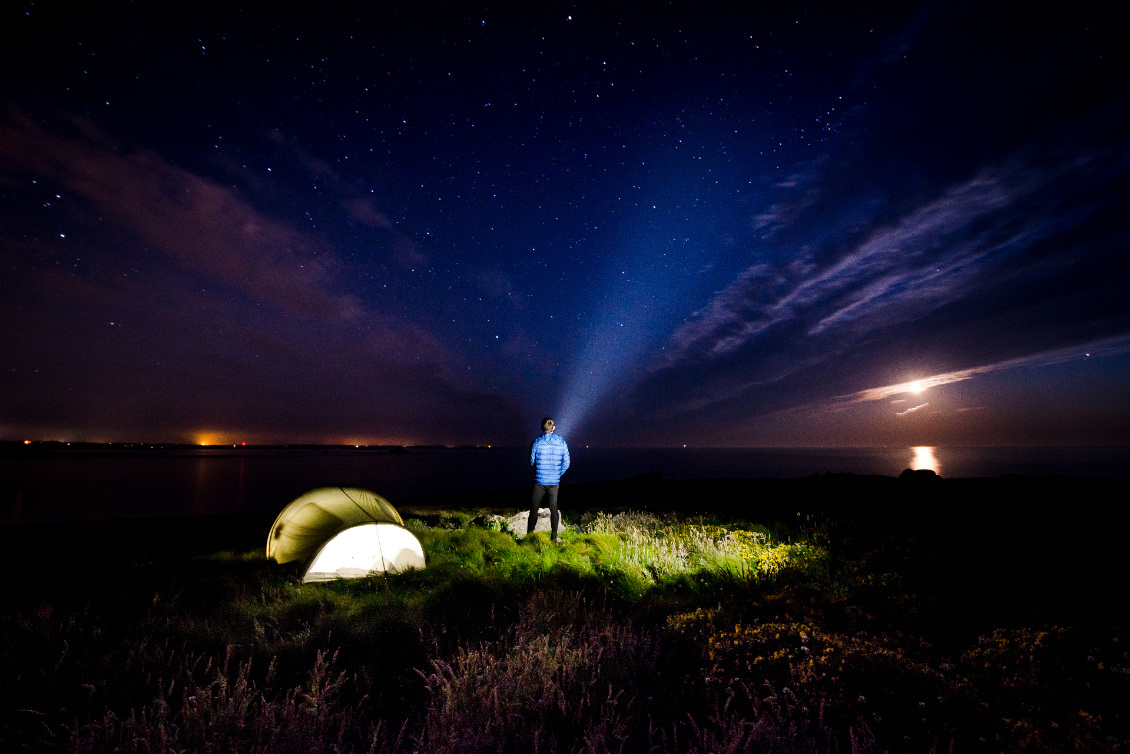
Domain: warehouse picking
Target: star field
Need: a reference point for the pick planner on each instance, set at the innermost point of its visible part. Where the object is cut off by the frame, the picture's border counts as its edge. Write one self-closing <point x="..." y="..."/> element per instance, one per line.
<point x="426" y="223"/>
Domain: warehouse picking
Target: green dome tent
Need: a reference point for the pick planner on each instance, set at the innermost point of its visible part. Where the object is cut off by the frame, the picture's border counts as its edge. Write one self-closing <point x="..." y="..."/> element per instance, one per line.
<point x="313" y="528"/>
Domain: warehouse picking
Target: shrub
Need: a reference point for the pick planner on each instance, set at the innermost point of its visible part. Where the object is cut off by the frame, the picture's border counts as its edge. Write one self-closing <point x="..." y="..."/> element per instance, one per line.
<point x="563" y="678"/>
<point x="227" y="711"/>
<point x="848" y="682"/>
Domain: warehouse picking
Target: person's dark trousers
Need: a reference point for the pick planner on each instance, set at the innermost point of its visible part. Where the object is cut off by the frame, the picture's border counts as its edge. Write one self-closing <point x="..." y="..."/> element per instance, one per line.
<point x="544" y="491"/>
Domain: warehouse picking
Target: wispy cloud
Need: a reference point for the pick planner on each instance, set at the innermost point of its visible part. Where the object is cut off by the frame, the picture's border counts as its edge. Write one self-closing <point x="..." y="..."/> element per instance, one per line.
<point x="897" y="273"/>
<point x="204" y="227"/>
<point x="1095" y="350"/>
<point x="912" y="409"/>
<point x="779" y="319"/>
<point x="1002" y="269"/>
<point x="233" y="316"/>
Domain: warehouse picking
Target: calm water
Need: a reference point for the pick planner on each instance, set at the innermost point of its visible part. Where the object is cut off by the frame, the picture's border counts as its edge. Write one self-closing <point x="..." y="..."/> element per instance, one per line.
<point x="52" y="489"/>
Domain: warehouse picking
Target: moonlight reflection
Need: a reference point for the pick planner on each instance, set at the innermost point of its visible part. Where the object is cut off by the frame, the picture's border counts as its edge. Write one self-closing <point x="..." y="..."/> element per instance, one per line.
<point x="923" y="457"/>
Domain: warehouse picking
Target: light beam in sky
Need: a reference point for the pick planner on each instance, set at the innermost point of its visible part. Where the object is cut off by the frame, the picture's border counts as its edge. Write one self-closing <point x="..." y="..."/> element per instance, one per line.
<point x="607" y="357"/>
<point x="636" y="298"/>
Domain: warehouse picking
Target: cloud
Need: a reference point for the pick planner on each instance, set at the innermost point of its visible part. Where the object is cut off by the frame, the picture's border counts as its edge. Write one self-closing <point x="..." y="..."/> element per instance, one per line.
<point x="361" y="209"/>
<point x="784" y="212"/>
<point x="364" y="211"/>
<point x="223" y="316"/>
<point x="1096" y="349"/>
<point x="971" y="242"/>
<point x="203" y="227"/>
<point x="1003" y="266"/>
<point x="976" y="222"/>
<point x="901" y="270"/>
<point x="912" y="409"/>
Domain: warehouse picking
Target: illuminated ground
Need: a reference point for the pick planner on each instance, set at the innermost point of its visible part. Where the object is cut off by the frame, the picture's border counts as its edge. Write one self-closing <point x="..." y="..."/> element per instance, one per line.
<point x="898" y="614"/>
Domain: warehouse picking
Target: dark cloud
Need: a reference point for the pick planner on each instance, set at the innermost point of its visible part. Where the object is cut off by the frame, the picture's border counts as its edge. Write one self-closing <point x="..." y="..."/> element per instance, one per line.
<point x="202" y="227"/>
<point x="224" y="317"/>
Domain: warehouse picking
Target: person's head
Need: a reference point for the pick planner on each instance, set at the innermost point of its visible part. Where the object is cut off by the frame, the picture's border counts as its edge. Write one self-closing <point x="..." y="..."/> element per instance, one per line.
<point x="547" y="424"/>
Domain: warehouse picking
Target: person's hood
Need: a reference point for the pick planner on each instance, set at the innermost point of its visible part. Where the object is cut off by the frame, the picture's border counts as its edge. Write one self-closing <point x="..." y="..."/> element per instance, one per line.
<point x="553" y="438"/>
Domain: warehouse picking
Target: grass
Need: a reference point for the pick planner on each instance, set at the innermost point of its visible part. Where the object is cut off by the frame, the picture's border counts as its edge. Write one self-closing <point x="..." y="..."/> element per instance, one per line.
<point x="639" y="633"/>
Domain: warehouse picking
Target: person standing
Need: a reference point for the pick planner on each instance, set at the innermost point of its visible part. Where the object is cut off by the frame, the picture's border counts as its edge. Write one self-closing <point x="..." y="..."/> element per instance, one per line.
<point x="549" y="455"/>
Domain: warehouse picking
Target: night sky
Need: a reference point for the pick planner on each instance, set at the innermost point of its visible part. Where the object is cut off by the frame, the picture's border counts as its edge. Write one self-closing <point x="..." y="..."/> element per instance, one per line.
<point x="663" y="224"/>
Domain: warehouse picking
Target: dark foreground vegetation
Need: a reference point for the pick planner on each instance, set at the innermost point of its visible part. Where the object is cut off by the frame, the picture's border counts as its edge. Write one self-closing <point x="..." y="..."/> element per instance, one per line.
<point x="828" y="614"/>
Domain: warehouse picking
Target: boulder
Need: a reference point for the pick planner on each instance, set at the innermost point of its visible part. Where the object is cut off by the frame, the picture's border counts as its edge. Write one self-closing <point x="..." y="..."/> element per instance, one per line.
<point x="920" y="475"/>
<point x="518" y="523"/>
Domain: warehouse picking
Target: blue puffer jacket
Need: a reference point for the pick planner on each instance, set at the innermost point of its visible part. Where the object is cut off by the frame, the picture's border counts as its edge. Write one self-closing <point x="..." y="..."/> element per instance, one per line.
<point x="549" y="455"/>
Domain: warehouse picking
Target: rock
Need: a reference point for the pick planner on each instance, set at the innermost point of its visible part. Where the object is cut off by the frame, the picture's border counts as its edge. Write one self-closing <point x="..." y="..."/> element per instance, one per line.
<point x="518" y="523"/>
<point x="919" y="475"/>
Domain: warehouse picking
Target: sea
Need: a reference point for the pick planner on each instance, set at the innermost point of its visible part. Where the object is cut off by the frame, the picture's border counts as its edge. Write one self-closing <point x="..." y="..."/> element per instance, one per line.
<point x="187" y="482"/>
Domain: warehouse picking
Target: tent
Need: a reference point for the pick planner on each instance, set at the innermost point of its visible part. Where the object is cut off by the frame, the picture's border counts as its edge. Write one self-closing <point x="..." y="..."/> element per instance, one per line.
<point x="343" y="532"/>
<point x="364" y="549"/>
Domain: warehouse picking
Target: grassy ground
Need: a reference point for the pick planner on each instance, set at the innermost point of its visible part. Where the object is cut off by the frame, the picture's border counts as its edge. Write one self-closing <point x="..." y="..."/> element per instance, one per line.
<point x="897" y="628"/>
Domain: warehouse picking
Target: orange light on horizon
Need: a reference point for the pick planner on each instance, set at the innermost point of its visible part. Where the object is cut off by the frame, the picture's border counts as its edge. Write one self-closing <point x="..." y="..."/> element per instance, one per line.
<point x="220" y="437"/>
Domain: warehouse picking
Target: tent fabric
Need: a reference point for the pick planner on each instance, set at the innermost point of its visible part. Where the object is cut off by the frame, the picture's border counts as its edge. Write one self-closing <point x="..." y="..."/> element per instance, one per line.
<point x="365" y="549"/>
<point x="315" y="517"/>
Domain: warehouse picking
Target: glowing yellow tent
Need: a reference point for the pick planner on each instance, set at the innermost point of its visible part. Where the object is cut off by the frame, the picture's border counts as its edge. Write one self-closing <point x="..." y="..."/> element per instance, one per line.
<point x="343" y="532"/>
